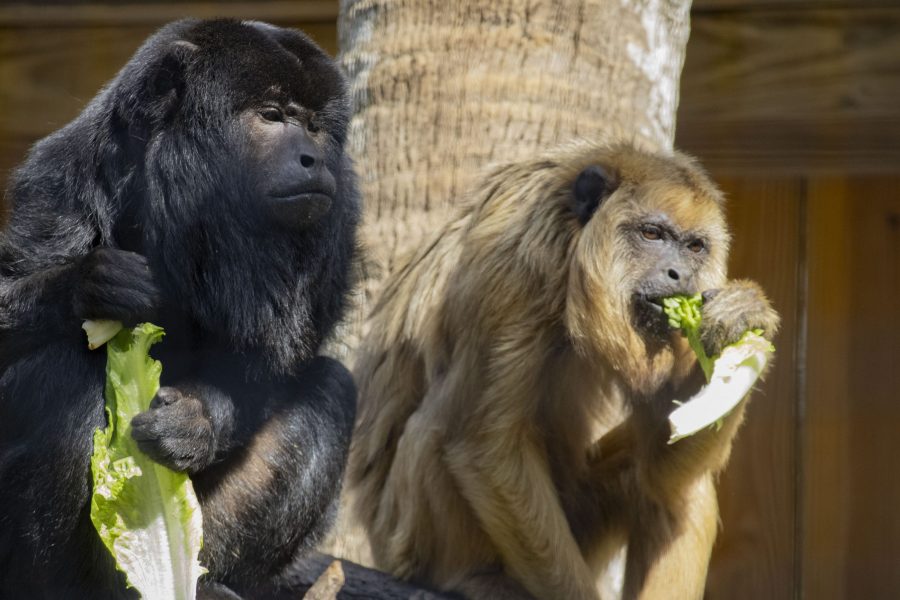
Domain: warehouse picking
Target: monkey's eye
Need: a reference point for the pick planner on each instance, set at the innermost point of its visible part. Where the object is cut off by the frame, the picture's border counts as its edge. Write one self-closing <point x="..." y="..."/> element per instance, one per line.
<point x="312" y="127"/>
<point x="696" y="246"/>
<point x="271" y="113"/>
<point x="651" y="232"/>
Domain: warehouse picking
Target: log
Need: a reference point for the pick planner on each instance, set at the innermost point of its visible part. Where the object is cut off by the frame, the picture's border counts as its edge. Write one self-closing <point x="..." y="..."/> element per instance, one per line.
<point x="360" y="583"/>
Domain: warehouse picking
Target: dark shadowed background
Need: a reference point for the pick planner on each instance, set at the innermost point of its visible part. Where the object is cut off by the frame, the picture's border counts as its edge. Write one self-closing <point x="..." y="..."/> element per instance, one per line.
<point x="794" y="106"/>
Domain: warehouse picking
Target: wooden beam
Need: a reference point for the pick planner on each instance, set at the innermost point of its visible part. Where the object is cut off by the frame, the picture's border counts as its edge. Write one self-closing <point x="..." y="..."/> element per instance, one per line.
<point x="793" y="91"/>
<point x="850" y="494"/>
<point x="360" y="583"/>
<point x="128" y="13"/>
<point x="792" y="145"/>
<point x="704" y="6"/>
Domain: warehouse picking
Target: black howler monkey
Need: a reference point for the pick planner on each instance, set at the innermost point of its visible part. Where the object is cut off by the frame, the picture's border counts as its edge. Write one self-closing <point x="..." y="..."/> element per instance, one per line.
<point x="207" y="189"/>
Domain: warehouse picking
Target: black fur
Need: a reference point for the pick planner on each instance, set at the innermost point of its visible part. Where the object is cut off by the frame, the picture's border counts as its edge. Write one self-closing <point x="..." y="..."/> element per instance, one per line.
<point x="151" y="205"/>
<point x="591" y="187"/>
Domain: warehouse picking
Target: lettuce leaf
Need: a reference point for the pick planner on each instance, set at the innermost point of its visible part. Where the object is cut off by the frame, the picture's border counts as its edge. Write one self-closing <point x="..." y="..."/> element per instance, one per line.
<point x="100" y="331"/>
<point x="146" y="514"/>
<point x="730" y="376"/>
<point x="684" y="314"/>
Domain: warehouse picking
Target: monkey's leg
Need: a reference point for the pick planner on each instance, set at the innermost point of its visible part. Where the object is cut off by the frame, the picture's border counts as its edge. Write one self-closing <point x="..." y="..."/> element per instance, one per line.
<point x="271" y="499"/>
<point x="675" y="512"/>
<point x="509" y="488"/>
<point x="669" y="546"/>
<point x="503" y="473"/>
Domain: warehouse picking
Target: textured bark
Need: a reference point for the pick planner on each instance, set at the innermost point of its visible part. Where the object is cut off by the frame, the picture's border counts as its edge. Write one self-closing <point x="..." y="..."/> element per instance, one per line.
<point x="441" y="88"/>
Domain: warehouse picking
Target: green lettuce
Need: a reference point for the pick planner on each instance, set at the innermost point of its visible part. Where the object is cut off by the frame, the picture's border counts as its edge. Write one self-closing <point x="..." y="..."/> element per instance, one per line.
<point x="146" y="514"/>
<point x="684" y="314"/>
<point x="100" y="331"/>
<point x="730" y="376"/>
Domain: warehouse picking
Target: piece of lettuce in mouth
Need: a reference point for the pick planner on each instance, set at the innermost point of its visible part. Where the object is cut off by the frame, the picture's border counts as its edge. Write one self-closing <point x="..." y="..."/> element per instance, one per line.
<point x="730" y="376"/>
<point x="147" y="515"/>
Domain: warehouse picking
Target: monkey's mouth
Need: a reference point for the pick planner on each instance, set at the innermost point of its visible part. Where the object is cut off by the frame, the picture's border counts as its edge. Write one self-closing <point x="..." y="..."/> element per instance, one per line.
<point x="649" y="316"/>
<point x="300" y="209"/>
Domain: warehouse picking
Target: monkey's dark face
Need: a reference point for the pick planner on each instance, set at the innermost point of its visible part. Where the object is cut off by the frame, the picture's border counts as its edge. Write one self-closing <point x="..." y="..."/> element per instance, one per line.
<point x="244" y="200"/>
<point x="266" y="115"/>
<point x="296" y="182"/>
<point x="674" y="243"/>
<point x="673" y="261"/>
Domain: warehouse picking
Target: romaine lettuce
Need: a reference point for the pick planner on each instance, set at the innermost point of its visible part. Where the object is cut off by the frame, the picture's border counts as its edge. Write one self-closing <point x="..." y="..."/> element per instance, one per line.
<point x="730" y="375"/>
<point x="146" y="514"/>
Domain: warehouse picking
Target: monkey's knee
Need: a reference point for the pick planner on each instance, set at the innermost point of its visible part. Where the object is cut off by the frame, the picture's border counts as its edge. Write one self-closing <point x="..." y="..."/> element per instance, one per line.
<point x="669" y="551"/>
<point x="331" y="387"/>
<point x="492" y="585"/>
<point x="215" y="591"/>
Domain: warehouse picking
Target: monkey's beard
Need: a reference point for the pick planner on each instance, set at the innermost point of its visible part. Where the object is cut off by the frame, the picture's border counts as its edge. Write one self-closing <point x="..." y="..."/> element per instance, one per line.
<point x="615" y="320"/>
<point x="642" y="361"/>
<point x="668" y="358"/>
<point x="256" y="286"/>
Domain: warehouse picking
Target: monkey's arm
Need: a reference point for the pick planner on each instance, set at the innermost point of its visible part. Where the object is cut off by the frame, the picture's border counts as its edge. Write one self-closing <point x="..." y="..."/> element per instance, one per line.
<point x="37" y="278"/>
<point x="36" y="305"/>
<point x="502" y="471"/>
<point x="667" y="489"/>
<point x="666" y="494"/>
<point x="727" y="314"/>
<point x="284" y="468"/>
<point x="508" y="486"/>
<point x="52" y="276"/>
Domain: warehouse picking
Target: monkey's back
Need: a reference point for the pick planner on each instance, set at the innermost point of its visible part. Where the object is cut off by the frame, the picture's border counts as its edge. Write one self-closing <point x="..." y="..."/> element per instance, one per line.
<point x="407" y="498"/>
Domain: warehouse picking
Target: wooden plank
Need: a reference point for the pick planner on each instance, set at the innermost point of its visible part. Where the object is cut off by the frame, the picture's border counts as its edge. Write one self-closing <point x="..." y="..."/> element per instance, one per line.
<point x="92" y="14"/>
<point x="825" y="492"/>
<point x="754" y="555"/>
<point x="703" y="6"/>
<point x="874" y="532"/>
<point x="793" y="90"/>
<point x="865" y="145"/>
<point x="822" y="63"/>
<point x="851" y="535"/>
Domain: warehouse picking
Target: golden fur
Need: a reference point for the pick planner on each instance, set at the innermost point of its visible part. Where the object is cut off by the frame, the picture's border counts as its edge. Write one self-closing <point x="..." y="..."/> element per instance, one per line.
<point x="512" y="420"/>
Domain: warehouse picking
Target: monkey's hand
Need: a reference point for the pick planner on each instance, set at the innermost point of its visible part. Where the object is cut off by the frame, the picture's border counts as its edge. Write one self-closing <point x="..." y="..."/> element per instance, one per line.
<point x="176" y="431"/>
<point x="117" y="285"/>
<point x="729" y="312"/>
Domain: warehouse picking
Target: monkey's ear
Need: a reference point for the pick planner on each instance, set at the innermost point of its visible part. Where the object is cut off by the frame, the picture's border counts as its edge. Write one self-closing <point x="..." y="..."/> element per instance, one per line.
<point x="169" y="72"/>
<point x="591" y="187"/>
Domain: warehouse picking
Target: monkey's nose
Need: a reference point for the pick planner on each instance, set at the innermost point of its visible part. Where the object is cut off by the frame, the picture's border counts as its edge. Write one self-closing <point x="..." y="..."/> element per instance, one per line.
<point x="673" y="275"/>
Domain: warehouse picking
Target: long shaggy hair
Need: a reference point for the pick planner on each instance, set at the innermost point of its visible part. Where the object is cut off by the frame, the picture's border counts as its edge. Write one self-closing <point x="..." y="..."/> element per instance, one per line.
<point x="501" y="352"/>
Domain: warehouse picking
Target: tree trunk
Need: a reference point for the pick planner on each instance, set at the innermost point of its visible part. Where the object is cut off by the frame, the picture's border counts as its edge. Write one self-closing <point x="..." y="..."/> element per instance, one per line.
<point x="441" y="88"/>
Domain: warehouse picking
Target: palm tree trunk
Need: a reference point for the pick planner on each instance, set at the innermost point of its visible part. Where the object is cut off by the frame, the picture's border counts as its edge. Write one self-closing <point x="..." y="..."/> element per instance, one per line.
<point x="443" y="87"/>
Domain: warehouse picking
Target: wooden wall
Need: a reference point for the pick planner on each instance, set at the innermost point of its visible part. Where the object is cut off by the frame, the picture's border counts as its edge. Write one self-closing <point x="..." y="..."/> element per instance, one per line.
<point x="794" y="107"/>
<point x="793" y="104"/>
<point x="55" y="55"/>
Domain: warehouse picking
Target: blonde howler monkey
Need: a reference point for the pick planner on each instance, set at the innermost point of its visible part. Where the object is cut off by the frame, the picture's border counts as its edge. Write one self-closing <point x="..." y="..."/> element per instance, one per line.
<point x="518" y="373"/>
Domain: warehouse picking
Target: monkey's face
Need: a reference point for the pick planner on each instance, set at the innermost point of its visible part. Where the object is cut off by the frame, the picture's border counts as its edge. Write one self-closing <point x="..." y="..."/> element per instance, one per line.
<point x="670" y="245"/>
<point x="652" y="227"/>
